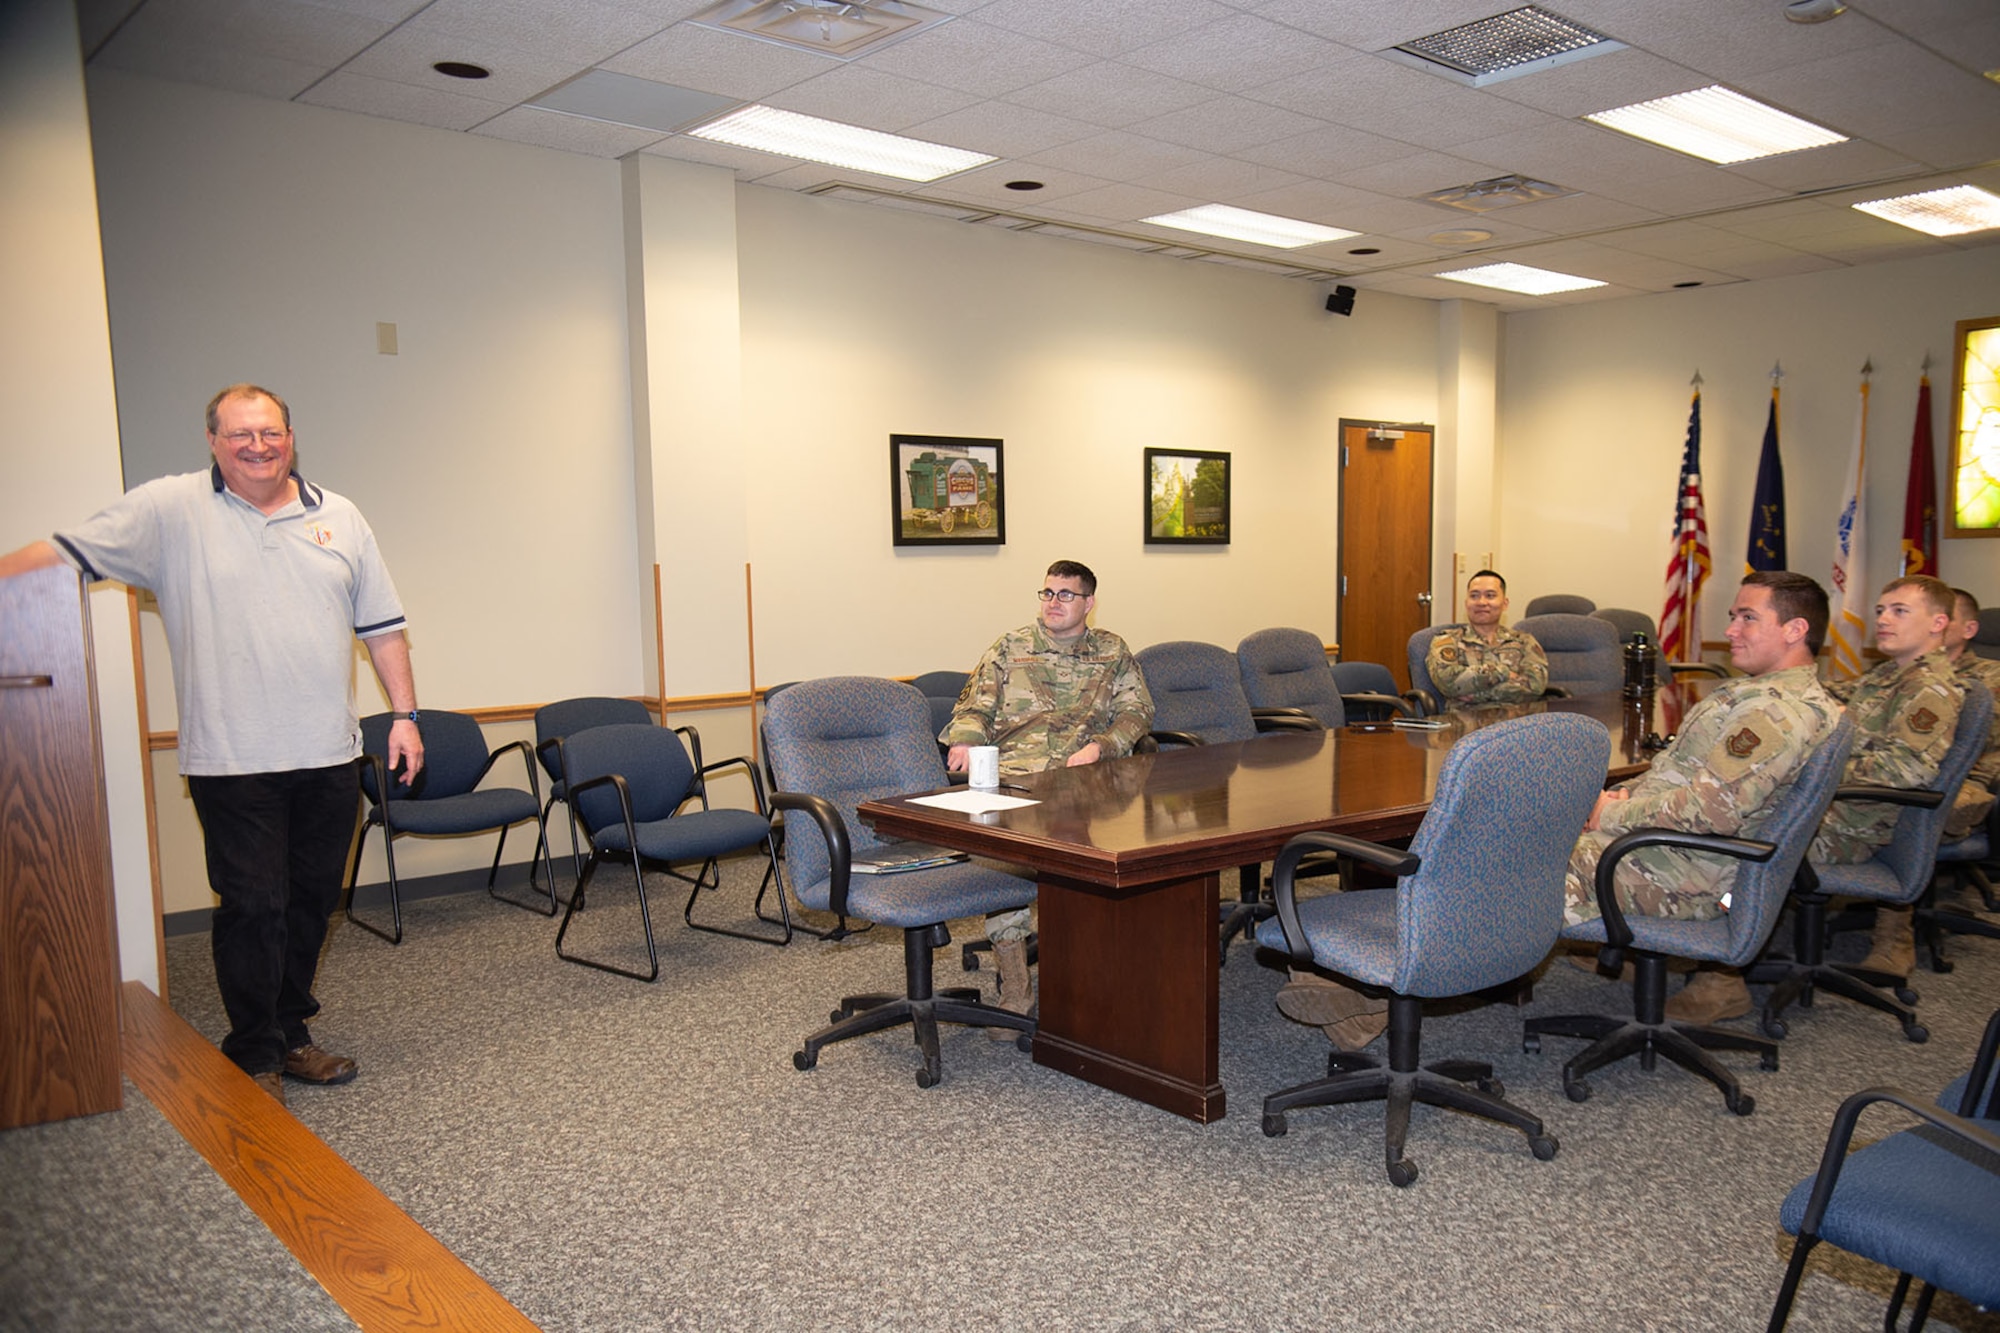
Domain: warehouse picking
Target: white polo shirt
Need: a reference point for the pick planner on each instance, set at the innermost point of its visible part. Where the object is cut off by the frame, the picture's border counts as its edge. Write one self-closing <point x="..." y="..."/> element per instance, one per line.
<point x="261" y="614"/>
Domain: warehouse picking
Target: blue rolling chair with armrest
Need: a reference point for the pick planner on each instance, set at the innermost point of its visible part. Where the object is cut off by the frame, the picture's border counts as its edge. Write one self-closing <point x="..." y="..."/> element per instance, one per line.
<point x="1368" y="692"/>
<point x="1198" y="699"/>
<point x="1897" y="874"/>
<point x="1286" y="669"/>
<point x="1585" y="655"/>
<point x="1419" y="651"/>
<point x="1965" y="861"/>
<point x="833" y="744"/>
<point x="1559" y="604"/>
<point x="1924" y="1201"/>
<point x="444" y="801"/>
<point x="629" y="784"/>
<point x="1733" y="939"/>
<point x="1479" y="904"/>
<point x="1632" y="623"/>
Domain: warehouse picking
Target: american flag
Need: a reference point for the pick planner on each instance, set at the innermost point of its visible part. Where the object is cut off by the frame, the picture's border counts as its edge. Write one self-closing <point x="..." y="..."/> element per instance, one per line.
<point x="1687" y="566"/>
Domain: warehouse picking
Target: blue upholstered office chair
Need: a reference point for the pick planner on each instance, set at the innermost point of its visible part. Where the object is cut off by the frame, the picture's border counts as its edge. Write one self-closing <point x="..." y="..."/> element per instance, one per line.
<point x="1559" y="604"/>
<point x="1368" y="692"/>
<point x="1897" y="874"/>
<point x="1965" y="862"/>
<point x="1632" y="623"/>
<point x="630" y="786"/>
<point x="1198" y="699"/>
<point x="444" y="801"/>
<point x="1419" y="651"/>
<point x="940" y="690"/>
<point x="1924" y="1201"/>
<point x="1287" y="669"/>
<point x="1733" y="939"/>
<point x="1479" y="904"/>
<point x="1986" y="642"/>
<point x="833" y="744"/>
<point x="566" y="717"/>
<point x="1585" y="656"/>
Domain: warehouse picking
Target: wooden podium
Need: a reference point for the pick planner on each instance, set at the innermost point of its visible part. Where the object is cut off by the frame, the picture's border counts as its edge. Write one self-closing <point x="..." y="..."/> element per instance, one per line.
<point x="58" y="937"/>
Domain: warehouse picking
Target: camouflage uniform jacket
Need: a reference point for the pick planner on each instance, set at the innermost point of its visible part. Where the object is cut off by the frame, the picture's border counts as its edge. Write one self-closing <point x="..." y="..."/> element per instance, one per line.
<point x="1975" y="798"/>
<point x="1904" y="719"/>
<point x="1468" y="670"/>
<point x="1736" y="751"/>
<point x="1041" y="701"/>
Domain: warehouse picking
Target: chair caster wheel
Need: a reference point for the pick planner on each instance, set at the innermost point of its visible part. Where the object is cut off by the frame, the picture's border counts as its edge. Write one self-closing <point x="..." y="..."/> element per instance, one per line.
<point x="1025" y="1043"/>
<point x="1906" y="995"/>
<point x="1742" y="1104"/>
<point x="1578" y="1091"/>
<point x="1768" y="1061"/>
<point x="801" y="1061"/>
<point x="1917" y="1032"/>
<point x="1532" y="1044"/>
<point x="836" y="1016"/>
<point x="1543" y="1146"/>
<point x="1402" y="1174"/>
<point x="1274" y="1127"/>
<point x="1492" y="1087"/>
<point x="1774" y="1028"/>
<point x="928" y="1078"/>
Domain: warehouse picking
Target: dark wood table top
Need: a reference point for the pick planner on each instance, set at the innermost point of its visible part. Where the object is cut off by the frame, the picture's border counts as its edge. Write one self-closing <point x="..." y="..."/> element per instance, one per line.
<point x="1148" y="817"/>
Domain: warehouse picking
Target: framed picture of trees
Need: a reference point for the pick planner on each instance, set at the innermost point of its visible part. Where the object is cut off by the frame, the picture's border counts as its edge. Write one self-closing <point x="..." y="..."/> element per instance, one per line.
<point x="1187" y="497"/>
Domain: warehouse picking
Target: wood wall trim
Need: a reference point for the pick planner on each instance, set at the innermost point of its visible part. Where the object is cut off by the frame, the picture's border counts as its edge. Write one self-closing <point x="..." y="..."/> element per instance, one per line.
<point x="386" y="1272"/>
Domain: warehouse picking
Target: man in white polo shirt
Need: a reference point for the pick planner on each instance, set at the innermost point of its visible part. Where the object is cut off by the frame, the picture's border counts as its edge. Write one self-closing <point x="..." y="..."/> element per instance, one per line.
<point x="264" y="582"/>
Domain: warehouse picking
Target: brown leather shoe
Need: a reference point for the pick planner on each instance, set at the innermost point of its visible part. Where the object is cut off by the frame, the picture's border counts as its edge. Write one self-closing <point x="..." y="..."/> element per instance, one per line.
<point x="309" y="1064"/>
<point x="1709" y="997"/>
<point x="272" y="1082"/>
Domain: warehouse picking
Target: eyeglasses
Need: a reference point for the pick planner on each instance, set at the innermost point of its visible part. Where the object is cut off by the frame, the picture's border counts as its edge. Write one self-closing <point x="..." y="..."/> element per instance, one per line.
<point x="1063" y="595"/>
<point x="239" y="438"/>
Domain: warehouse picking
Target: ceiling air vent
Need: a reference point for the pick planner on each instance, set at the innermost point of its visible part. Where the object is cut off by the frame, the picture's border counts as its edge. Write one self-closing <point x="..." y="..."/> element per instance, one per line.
<point x="1505" y="46"/>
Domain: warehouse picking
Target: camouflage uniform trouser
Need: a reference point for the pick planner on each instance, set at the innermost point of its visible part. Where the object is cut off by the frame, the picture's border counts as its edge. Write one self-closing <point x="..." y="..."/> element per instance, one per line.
<point x="1653" y="881"/>
<point x="1011" y="926"/>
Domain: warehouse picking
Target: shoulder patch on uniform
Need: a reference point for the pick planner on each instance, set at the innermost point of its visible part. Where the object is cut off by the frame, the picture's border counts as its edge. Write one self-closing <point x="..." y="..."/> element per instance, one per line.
<point x="1448" y="653"/>
<point x="1923" y="721"/>
<point x="1744" y="743"/>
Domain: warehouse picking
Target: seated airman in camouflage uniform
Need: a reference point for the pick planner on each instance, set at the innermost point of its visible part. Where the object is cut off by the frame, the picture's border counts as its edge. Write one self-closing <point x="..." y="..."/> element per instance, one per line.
<point x="1050" y="694"/>
<point x="1905" y="715"/>
<point x="1975" y="798"/>
<point x="1736" y="751"/>
<point x="1482" y="661"/>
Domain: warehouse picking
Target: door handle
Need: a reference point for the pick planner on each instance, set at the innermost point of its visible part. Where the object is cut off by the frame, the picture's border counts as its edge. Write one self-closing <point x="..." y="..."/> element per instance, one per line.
<point x="1423" y="599"/>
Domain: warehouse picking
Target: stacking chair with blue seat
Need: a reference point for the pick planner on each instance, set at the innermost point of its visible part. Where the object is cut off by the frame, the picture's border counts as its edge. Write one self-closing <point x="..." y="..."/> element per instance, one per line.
<point x="1286" y="670"/>
<point x="833" y="744"/>
<point x="1585" y="654"/>
<point x="1479" y="904"/>
<point x="1896" y="875"/>
<point x="1924" y="1201"/>
<point x="566" y="717"/>
<point x="629" y="784"/>
<point x="1732" y="939"/>
<point x="1198" y="699"/>
<point x="444" y="801"/>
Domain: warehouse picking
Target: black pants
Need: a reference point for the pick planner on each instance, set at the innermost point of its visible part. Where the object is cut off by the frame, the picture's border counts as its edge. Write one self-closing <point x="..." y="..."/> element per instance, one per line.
<point x="277" y="845"/>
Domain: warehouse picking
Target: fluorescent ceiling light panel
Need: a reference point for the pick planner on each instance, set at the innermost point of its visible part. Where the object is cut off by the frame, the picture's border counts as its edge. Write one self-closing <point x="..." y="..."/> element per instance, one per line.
<point x="769" y="130"/>
<point x="1717" y="125"/>
<point x="1242" y="224"/>
<point x="1949" y="212"/>
<point x="1521" y="278"/>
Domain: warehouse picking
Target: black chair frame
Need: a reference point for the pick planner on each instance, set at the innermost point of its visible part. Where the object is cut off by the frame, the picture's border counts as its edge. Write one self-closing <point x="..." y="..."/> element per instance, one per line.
<point x="378" y="815"/>
<point x="1649" y="1034"/>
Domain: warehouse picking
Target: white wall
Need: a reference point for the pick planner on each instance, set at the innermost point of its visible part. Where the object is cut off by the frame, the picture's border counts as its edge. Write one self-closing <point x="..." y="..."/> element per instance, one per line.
<point x="1594" y="408"/>
<point x="58" y="415"/>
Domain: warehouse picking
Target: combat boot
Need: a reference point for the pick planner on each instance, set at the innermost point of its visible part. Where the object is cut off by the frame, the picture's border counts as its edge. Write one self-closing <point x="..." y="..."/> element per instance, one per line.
<point x="1893" y="946"/>
<point x="1017" y="986"/>
<point x="1349" y="1018"/>
<point x="1709" y="997"/>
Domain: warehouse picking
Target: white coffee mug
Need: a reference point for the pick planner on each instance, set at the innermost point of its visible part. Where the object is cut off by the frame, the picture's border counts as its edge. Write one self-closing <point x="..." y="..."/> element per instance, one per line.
<point x="983" y="767"/>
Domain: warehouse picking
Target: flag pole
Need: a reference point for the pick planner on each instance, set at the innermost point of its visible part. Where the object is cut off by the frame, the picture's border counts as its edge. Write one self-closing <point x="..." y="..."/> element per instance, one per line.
<point x="1691" y="620"/>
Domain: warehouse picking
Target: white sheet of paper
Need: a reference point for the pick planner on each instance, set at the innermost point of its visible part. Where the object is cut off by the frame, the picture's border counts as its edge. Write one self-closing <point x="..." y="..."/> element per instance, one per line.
<point x="967" y="801"/>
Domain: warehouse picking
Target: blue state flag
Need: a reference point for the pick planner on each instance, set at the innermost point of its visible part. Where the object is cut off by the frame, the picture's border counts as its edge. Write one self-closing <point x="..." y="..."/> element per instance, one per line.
<point x="1767" y="508"/>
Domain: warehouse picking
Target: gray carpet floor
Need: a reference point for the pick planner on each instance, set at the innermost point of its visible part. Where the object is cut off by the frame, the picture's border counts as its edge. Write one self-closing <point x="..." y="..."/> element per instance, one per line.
<point x="615" y="1155"/>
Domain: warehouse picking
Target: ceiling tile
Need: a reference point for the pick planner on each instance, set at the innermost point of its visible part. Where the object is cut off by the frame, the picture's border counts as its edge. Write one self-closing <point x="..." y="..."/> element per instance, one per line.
<point x="1231" y="124"/>
<point x="407" y="54"/>
<point x="1881" y="89"/>
<point x="747" y="163"/>
<point x="1110" y="94"/>
<point x="1239" y="54"/>
<point x="294" y="31"/>
<point x="1328" y="152"/>
<point x="1103" y="27"/>
<point x="1616" y="78"/>
<point x="400" y="101"/>
<point x="571" y="134"/>
<point x="1728" y="40"/>
<point x="1372" y="27"/>
<point x="1825" y="168"/>
<point x="856" y="94"/>
<point x="1418" y="173"/>
<point x="988" y="185"/>
<point x="1117" y="155"/>
<point x="1123" y="205"/>
<point x="211" y="67"/>
<point x="980" y="59"/>
<point x="1219" y="178"/>
<point x="1003" y="130"/>
<point x="579" y="31"/>
<point x="723" y="63"/>
<point x="1332" y="205"/>
<point x="1577" y="212"/>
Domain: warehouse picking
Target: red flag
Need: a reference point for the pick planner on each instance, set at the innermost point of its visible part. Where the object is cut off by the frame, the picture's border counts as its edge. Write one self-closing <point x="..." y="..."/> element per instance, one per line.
<point x="1920" y="526"/>
<point x="1687" y="566"/>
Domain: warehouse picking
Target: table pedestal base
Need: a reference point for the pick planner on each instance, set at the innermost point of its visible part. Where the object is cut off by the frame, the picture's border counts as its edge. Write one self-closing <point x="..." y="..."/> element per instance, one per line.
<point x="1129" y="993"/>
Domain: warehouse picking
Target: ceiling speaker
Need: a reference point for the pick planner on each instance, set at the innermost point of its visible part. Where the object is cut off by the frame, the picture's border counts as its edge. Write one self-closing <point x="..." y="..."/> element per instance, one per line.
<point x="1341" y="301"/>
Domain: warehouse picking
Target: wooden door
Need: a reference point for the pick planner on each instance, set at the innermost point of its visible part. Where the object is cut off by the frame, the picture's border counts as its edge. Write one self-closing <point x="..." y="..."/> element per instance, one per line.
<point x="58" y="942"/>
<point x="1385" y="542"/>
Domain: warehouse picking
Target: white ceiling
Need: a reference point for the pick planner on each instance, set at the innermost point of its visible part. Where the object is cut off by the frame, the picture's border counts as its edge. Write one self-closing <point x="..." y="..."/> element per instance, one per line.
<point x="1128" y="108"/>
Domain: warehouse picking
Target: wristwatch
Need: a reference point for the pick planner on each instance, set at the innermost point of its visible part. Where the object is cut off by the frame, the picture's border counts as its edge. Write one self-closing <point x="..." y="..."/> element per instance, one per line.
<point x="412" y="715"/>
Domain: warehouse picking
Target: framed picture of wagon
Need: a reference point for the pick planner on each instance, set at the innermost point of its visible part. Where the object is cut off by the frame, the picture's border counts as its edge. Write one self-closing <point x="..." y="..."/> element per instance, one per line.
<point x="1187" y="497"/>
<point x="1974" y="479"/>
<point x="946" y="490"/>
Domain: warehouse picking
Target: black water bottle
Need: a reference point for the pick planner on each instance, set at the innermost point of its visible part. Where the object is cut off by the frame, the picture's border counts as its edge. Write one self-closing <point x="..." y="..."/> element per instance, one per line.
<point x="1639" y="670"/>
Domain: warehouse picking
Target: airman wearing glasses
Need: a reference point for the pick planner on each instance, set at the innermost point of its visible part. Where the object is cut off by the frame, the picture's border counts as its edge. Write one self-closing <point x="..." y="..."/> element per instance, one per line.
<point x="1050" y="694"/>
<point x="265" y="581"/>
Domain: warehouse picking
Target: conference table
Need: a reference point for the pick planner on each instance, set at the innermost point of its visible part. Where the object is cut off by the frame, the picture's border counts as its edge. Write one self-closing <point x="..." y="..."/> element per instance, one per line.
<point x="1127" y="854"/>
